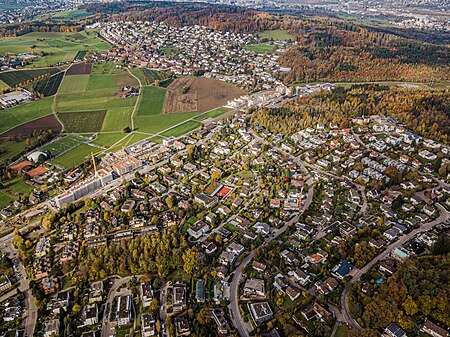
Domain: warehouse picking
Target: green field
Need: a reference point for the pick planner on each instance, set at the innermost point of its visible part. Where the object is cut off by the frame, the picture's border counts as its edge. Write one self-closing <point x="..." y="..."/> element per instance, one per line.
<point x="56" y="47"/>
<point x="11" y="149"/>
<point x="117" y="119"/>
<point x="64" y="144"/>
<point x="181" y="129"/>
<point x="148" y="76"/>
<point x="13" y="190"/>
<point x="82" y="121"/>
<point x="108" y="139"/>
<point x="101" y="82"/>
<point x="151" y="101"/>
<point x="157" y="123"/>
<point x="277" y="34"/>
<point x="21" y="77"/>
<point x="131" y="138"/>
<point x="261" y="48"/>
<point x="76" y="156"/>
<point x="74" y="83"/>
<point x="105" y="68"/>
<point x="212" y="114"/>
<point x="341" y="331"/>
<point x="25" y="113"/>
<point x="75" y="14"/>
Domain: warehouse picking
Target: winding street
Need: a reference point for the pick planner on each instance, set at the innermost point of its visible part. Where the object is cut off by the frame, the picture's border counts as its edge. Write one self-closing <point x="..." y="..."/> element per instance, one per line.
<point x="244" y="328"/>
<point x="444" y="216"/>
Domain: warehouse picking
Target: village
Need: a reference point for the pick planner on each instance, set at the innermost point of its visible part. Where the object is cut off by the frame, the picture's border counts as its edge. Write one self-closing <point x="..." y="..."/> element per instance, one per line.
<point x="326" y="205"/>
<point x="194" y="50"/>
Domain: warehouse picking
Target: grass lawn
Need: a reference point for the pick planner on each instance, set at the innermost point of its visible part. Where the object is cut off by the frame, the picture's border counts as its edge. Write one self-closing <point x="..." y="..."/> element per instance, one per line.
<point x="276" y="34"/>
<point x="12" y="191"/>
<point x="82" y="121"/>
<point x="116" y="119"/>
<point x="108" y="139"/>
<point x="11" y="149"/>
<point x="74" y="83"/>
<point x="25" y="113"/>
<point x="212" y="114"/>
<point x="76" y="156"/>
<point x="5" y="198"/>
<point x="341" y="331"/>
<point x="158" y="123"/>
<point x="181" y="129"/>
<point x="261" y="48"/>
<point x="101" y="82"/>
<point x="151" y="101"/>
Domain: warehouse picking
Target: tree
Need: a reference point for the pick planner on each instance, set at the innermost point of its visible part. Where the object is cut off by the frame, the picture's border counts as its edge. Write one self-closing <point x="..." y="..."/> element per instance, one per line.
<point x="204" y="316"/>
<point x="49" y="220"/>
<point x="76" y="309"/>
<point x="154" y="305"/>
<point x="190" y="261"/>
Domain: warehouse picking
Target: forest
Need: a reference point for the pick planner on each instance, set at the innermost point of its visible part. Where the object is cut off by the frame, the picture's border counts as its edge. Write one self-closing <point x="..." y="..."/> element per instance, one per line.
<point x="424" y="111"/>
<point x="419" y="289"/>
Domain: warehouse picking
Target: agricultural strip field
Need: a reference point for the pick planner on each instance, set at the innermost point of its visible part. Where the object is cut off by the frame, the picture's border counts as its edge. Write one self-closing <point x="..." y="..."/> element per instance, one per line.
<point x="64" y="144"/>
<point x="81" y="68"/>
<point x="116" y="119"/>
<point x="48" y="122"/>
<point x="74" y="83"/>
<point x="49" y="85"/>
<point x="75" y="157"/>
<point x="15" y="77"/>
<point x="101" y="82"/>
<point x="151" y="101"/>
<point x="25" y="113"/>
<point x="107" y="139"/>
<point x="277" y="34"/>
<point x="122" y="80"/>
<point x="181" y="129"/>
<point x="157" y="123"/>
<point x="57" y="47"/>
<point x="82" y="121"/>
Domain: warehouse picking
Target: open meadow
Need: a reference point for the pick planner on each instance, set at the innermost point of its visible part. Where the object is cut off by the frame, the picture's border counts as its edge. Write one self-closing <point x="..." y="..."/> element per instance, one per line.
<point x="56" y="47"/>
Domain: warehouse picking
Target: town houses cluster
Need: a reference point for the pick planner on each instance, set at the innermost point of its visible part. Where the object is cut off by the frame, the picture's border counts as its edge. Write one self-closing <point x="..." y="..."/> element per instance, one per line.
<point x="193" y="50"/>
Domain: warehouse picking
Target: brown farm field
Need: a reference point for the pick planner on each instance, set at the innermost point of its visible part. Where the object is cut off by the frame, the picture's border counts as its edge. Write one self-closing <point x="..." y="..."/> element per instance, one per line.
<point x="199" y="94"/>
<point x="81" y="68"/>
<point x="26" y="129"/>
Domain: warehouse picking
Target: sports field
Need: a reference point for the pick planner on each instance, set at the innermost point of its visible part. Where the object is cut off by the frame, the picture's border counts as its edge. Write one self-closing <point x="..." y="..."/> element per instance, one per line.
<point x="76" y="156"/>
<point x="64" y="144"/>
<point x="57" y="47"/>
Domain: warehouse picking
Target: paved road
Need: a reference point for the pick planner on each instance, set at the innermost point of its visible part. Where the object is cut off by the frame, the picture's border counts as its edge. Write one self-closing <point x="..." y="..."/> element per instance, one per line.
<point x="444" y="216"/>
<point x="244" y="328"/>
<point x="30" y="314"/>
<point x="106" y="327"/>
